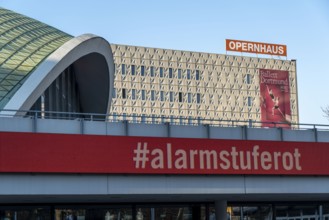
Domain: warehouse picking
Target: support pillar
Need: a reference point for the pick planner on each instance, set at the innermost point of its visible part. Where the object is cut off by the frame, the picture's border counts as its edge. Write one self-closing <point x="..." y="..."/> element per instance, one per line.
<point x="221" y="210"/>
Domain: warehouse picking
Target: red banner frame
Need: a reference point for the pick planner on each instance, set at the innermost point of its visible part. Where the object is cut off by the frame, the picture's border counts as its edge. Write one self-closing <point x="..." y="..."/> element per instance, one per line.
<point x="275" y="98"/>
<point x="256" y="47"/>
<point x="66" y="153"/>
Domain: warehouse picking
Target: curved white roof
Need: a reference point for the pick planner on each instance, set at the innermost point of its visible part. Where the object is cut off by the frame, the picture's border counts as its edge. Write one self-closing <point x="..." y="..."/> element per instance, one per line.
<point x="93" y="60"/>
<point x="33" y="55"/>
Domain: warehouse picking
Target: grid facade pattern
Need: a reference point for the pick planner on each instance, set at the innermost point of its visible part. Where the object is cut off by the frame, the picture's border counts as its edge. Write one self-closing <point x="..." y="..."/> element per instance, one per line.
<point x="24" y="44"/>
<point x="184" y="87"/>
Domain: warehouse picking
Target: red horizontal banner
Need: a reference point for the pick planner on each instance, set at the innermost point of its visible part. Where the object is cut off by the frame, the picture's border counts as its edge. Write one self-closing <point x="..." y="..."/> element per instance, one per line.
<point x="64" y="153"/>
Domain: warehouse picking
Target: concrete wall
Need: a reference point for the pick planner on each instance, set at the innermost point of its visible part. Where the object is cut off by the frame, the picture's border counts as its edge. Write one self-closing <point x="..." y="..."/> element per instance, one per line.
<point x="159" y="188"/>
<point x="29" y="124"/>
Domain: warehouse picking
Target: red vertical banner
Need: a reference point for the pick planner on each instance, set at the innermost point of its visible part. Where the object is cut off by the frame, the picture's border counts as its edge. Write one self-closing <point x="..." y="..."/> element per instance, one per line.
<point x="275" y="98"/>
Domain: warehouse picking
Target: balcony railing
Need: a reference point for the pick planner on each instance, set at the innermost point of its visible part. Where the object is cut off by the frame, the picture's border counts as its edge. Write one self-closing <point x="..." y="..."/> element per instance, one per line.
<point x="172" y="120"/>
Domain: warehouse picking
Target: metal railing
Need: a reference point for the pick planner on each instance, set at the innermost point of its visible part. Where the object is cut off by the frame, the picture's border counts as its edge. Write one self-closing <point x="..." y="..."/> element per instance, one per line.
<point x="173" y="120"/>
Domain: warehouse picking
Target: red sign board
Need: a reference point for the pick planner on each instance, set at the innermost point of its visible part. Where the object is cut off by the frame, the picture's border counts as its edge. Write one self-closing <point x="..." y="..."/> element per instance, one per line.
<point x="256" y="47"/>
<point x="64" y="153"/>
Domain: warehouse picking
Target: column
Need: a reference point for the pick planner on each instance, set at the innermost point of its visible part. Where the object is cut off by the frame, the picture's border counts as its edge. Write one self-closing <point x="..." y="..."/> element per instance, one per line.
<point x="220" y="210"/>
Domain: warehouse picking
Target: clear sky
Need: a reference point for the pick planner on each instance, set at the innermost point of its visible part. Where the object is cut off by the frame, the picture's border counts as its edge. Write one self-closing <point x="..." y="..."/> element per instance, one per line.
<point x="302" y="25"/>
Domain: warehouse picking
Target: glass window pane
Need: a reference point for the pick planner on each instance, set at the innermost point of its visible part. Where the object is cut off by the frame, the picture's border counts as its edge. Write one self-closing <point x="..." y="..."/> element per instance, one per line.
<point x="133" y="94"/>
<point x="189" y="97"/>
<point x="133" y="71"/>
<point x="197" y="75"/>
<point x="123" y="69"/>
<point x="170" y="72"/>
<point x="248" y="81"/>
<point x="152" y="71"/>
<point x="180" y="97"/>
<point x="171" y="96"/>
<point x="179" y="73"/>
<point x="198" y="98"/>
<point x="249" y="101"/>
<point x="86" y="213"/>
<point x="188" y="74"/>
<point x="142" y="70"/>
<point x="143" y="94"/>
<point x="123" y="93"/>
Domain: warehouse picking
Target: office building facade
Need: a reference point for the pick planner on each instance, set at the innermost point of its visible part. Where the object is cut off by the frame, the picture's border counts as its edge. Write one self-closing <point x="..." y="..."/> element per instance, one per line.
<point x="186" y="87"/>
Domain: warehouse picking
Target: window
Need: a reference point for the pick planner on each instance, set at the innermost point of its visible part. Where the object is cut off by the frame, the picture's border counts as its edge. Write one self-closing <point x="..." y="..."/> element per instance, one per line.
<point x="179" y="73"/>
<point x="161" y="96"/>
<point x="124" y="93"/>
<point x="249" y="101"/>
<point x="170" y="72"/>
<point x="189" y="97"/>
<point x="133" y="71"/>
<point x="152" y="71"/>
<point x="142" y="70"/>
<point x="198" y="98"/>
<point x="180" y="97"/>
<point x="114" y="93"/>
<point x="143" y="94"/>
<point x="143" y="118"/>
<point x="188" y="74"/>
<point x="171" y="96"/>
<point x="133" y="94"/>
<point x="123" y="69"/>
<point x="152" y="95"/>
<point x="197" y="75"/>
<point x="248" y="79"/>
<point x="161" y="71"/>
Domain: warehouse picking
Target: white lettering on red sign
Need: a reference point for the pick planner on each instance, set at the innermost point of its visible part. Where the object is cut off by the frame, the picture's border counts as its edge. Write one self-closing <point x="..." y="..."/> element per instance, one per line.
<point x="256" y="47"/>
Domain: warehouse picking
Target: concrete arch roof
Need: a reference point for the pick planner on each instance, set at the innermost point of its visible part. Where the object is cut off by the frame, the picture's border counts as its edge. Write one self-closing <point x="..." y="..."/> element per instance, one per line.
<point x="93" y="61"/>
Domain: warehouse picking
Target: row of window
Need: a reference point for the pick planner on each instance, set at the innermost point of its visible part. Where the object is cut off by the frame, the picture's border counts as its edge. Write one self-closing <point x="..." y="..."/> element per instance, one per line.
<point x="165" y="96"/>
<point x="161" y="72"/>
<point x="172" y="73"/>
<point x="161" y="96"/>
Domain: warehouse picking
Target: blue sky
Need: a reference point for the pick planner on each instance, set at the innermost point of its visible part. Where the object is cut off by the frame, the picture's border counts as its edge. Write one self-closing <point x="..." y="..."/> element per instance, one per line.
<point x="302" y="25"/>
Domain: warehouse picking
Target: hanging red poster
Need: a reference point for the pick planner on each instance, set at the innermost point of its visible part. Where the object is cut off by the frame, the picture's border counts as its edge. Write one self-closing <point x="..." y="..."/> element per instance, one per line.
<point x="275" y="98"/>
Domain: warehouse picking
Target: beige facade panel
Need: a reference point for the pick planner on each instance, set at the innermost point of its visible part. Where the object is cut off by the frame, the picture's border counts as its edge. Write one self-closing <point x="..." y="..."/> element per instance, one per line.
<point x="188" y="87"/>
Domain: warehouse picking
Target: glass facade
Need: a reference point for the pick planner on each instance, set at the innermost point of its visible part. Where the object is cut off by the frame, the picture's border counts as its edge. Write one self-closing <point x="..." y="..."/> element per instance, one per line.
<point x="168" y="211"/>
<point x="24" y="44"/>
<point x="61" y="96"/>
